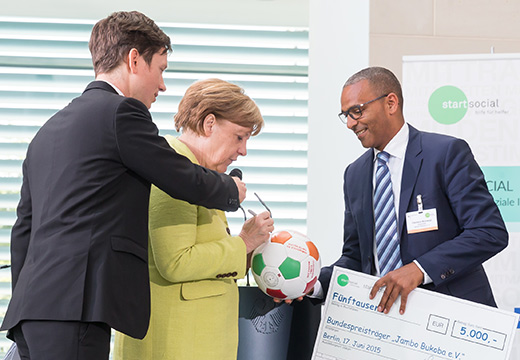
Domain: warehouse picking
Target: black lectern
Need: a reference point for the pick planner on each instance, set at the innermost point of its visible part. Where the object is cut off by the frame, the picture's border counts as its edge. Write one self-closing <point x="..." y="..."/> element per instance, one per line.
<point x="275" y="331"/>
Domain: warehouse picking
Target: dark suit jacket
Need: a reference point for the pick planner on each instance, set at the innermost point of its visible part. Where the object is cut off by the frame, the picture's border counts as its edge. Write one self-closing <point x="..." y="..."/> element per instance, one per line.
<point x="79" y="245"/>
<point x="470" y="228"/>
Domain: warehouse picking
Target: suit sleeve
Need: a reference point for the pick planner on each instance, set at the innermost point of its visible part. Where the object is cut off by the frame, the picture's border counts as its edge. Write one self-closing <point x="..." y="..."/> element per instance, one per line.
<point x="481" y="230"/>
<point x="173" y="240"/>
<point x="145" y="152"/>
<point x="351" y="254"/>
<point x="21" y="231"/>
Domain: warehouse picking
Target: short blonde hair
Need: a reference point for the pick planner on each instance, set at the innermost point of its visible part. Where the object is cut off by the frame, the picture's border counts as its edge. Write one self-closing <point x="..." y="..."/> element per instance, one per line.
<point x="220" y="98"/>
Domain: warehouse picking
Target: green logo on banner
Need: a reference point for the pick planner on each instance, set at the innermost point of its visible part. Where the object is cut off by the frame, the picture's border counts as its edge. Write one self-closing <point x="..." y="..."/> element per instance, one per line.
<point x="448" y="105"/>
<point x="343" y="280"/>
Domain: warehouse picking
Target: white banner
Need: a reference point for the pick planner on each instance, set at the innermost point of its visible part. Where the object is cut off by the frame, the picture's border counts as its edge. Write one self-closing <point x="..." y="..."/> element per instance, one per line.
<point x="477" y="98"/>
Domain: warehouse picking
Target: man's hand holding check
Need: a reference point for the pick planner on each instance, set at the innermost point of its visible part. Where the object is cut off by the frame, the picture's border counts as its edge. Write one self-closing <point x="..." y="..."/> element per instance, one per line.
<point x="398" y="282"/>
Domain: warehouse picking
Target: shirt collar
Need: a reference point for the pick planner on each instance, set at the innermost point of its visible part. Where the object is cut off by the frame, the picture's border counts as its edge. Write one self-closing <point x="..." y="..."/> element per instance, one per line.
<point x="115" y="87"/>
<point x="397" y="146"/>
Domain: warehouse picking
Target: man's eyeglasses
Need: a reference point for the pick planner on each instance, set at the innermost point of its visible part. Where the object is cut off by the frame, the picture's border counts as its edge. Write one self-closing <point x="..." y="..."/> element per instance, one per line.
<point x="356" y="111"/>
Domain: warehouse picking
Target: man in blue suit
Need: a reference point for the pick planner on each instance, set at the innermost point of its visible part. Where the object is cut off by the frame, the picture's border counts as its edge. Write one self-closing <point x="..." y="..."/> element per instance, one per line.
<point x="428" y="171"/>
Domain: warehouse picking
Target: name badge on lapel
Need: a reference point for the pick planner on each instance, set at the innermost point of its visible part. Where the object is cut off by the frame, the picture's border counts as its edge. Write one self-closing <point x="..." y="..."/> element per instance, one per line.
<point x="421" y="220"/>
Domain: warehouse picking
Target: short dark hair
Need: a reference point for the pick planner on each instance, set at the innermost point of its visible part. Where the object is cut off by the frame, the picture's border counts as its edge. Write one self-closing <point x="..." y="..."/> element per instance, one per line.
<point x="112" y="39"/>
<point x="382" y="80"/>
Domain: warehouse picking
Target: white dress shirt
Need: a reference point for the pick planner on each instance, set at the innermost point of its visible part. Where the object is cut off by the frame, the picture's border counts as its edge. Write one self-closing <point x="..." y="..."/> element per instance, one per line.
<point x="396" y="148"/>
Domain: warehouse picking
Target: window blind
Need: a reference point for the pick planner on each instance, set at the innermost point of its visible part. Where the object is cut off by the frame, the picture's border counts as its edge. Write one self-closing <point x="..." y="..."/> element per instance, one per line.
<point x="45" y="63"/>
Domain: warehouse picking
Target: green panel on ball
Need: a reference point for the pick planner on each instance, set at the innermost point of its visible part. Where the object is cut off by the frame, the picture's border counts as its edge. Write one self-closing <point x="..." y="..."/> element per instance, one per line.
<point x="258" y="264"/>
<point x="290" y="268"/>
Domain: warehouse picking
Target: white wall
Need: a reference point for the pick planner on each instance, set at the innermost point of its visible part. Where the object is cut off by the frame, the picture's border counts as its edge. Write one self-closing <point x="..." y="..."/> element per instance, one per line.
<point x="339" y="32"/>
<point x="240" y="12"/>
<point x="440" y="27"/>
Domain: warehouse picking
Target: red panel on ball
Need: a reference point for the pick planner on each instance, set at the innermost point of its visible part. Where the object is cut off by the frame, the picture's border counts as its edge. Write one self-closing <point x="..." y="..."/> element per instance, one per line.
<point x="310" y="285"/>
<point x="278" y="294"/>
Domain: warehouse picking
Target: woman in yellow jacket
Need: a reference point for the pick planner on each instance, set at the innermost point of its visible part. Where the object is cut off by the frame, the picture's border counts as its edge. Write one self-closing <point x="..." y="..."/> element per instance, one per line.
<point x="194" y="262"/>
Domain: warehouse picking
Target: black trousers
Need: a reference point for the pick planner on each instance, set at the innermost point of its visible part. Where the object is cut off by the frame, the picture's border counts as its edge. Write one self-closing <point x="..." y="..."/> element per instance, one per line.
<point x="62" y="340"/>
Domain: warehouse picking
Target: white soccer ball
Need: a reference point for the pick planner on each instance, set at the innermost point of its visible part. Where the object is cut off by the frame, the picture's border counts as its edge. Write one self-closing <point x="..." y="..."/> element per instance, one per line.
<point x="287" y="266"/>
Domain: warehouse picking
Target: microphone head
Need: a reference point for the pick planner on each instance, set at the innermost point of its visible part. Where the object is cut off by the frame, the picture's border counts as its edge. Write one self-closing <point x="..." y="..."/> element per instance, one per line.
<point x="236" y="173"/>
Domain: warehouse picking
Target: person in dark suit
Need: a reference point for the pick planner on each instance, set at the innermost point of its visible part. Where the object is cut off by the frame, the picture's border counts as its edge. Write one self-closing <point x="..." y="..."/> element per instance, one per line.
<point x="427" y="170"/>
<point x="79" y="245"/>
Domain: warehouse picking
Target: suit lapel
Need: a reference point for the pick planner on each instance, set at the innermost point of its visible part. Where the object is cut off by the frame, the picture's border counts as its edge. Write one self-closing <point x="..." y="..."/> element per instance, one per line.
<point x="366" y="213"/>
<point x="412" y="164"/>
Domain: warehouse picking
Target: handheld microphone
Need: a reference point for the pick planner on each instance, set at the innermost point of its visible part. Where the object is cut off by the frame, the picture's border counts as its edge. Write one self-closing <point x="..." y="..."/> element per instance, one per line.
<point x="236" y="172"/>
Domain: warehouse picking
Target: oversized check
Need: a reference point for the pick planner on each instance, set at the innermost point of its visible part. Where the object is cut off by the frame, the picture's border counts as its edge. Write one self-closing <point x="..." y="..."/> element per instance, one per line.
<point x="434" y="326"/>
